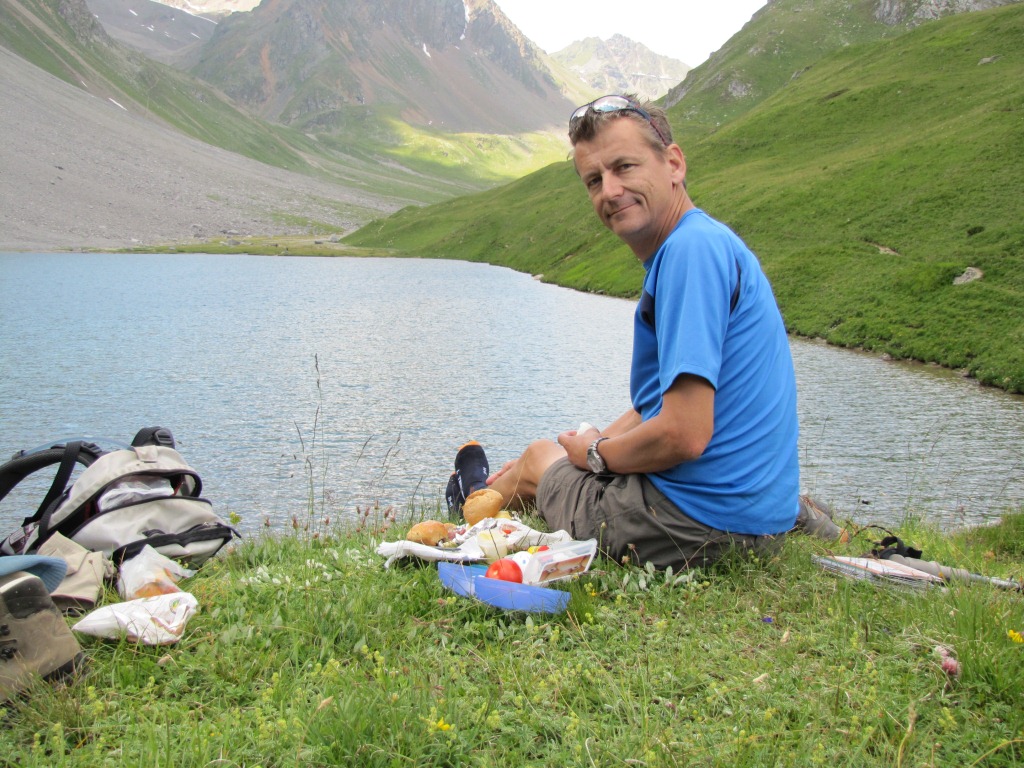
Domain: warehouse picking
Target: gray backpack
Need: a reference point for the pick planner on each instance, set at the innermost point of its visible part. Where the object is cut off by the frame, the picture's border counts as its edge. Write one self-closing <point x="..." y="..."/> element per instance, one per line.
<point x="121" y="501"/>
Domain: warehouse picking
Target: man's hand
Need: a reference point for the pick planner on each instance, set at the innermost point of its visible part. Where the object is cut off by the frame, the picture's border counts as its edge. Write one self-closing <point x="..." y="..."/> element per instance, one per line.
<point x="576" y="444"/>
<point x="505" y="468"/>
<point x="680" y="432"/>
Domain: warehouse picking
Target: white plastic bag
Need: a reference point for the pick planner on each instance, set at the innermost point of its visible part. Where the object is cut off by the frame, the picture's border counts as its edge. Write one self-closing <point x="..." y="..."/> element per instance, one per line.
<point x="156" y="620"/>
<point x="150" y="573"/>
<point x="132" y="490"/>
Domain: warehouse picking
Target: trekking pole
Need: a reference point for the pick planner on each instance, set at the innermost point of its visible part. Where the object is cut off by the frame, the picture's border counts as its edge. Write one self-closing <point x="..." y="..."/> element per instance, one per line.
<point x="946" y="573"/>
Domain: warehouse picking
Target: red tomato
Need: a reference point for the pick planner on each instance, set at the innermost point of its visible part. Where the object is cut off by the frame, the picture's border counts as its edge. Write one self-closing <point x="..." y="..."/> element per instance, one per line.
<point x="505" y="569"/>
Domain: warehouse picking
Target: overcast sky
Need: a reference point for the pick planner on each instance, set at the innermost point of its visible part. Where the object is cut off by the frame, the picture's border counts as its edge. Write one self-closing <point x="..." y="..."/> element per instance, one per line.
<point x="688" y="30"/>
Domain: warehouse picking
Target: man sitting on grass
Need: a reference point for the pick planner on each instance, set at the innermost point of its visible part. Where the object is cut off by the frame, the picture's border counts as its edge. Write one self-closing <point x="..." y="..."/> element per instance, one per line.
<point x="706" y="458"/>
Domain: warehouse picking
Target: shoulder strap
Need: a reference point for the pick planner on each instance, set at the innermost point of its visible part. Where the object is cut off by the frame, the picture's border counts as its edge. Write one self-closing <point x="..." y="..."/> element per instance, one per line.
<point x="24" y="464"/>
<point x="60" y="480"/>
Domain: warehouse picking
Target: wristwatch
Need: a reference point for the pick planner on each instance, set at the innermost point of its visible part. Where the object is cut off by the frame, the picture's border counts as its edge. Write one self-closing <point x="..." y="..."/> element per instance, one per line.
<point x="594" y="461"/>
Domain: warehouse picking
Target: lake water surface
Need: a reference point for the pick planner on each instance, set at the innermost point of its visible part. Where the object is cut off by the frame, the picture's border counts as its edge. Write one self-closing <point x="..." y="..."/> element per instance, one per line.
<point x="355" y="380"/>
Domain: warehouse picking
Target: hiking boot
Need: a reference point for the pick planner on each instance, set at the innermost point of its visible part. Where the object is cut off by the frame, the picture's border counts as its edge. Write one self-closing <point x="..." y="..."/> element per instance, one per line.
<point x="35" y="640"/>
<point x="815" y="519"/>
<point x="470" y="475"/>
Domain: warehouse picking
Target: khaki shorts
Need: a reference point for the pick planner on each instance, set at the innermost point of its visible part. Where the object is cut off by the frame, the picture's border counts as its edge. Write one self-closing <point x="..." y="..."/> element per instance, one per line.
<point x="632" y="520"/>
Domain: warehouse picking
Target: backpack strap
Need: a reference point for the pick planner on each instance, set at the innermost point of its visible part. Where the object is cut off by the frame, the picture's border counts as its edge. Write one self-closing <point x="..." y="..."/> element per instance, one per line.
<point x="734" y="299"/>
<point x="60" y="480"/>
<point x="157" y="539"/>
<point x="23" y="464"/>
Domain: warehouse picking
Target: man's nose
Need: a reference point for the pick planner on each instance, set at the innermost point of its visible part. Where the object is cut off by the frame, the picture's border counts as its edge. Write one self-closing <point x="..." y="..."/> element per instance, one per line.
<point x="611" y="186"/>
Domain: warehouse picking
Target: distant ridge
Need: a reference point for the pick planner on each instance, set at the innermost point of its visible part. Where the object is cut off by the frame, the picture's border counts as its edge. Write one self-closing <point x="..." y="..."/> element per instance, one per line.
<point x="621" y="65"/>
<point x="784" y="38"/>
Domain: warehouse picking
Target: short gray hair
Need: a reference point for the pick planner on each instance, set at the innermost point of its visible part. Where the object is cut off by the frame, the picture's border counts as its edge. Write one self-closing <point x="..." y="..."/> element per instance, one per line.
<point x="586" y="127"/>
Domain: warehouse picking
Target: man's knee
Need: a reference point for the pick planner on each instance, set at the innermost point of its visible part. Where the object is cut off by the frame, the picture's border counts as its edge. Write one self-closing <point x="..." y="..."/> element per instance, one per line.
<point x="523" y="476"/>
<point x="539" y="455"/>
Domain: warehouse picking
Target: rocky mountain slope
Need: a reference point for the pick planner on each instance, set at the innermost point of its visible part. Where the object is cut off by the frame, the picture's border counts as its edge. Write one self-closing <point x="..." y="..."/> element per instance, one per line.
<point x="104" y="147"/>
<point x="80" y="171"/>
<point x="161" y="31"/>
<point x="621" y="65"/>
<point x="330" y="66"/>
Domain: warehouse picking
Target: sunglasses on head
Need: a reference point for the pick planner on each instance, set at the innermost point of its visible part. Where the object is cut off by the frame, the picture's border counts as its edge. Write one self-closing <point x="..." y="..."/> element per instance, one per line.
<point x="615" y="104"/>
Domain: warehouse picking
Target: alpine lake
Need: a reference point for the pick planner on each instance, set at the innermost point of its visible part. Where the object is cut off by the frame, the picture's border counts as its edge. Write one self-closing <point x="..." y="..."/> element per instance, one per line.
<point x="308" y="387"/>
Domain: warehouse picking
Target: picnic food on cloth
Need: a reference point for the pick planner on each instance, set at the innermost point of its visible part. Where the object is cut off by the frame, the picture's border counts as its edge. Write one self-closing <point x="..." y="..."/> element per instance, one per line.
<point x="490" y="539"/>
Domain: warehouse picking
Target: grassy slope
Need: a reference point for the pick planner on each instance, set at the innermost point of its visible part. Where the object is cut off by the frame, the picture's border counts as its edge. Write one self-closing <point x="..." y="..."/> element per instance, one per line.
<point x="909" y="144"/>
<point x="781" y="39"/>
<point x="912" y="146"/>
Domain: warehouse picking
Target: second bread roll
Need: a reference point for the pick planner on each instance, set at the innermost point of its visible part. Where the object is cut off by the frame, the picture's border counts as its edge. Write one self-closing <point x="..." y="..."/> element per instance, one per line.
<point x="485" y="502"/>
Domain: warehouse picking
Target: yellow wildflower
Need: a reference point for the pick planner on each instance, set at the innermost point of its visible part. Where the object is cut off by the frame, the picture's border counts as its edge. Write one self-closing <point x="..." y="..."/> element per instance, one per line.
<point x="1014" y="635"/>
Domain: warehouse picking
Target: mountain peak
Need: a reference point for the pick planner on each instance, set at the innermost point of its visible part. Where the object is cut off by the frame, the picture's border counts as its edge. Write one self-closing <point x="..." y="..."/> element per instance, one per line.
<point x="319" y="65"/>
<point x="622" y="65"/>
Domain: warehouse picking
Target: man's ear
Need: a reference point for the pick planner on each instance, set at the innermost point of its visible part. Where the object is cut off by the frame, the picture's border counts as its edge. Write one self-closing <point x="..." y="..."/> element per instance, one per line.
<point x="677" y="163"/>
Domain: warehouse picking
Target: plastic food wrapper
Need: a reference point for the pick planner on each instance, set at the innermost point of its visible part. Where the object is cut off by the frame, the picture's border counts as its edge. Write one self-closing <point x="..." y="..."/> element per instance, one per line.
<point x="149" y="574"/>
<point x="489" y="540"/>
<point x="156" y="620"/>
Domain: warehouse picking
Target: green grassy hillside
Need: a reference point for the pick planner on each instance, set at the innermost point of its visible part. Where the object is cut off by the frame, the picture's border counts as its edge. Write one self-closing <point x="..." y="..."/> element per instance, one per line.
<point x="780" y="40"/>
<point x="865" y="186"/>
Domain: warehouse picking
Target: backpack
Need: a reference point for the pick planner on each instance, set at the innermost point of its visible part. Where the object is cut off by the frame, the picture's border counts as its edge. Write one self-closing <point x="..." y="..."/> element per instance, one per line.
<point x="122" y="501"/>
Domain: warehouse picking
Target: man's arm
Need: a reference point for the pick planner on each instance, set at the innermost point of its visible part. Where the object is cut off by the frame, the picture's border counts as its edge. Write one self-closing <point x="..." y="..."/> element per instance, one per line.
<point x="627" y="421"/>
<point x="680" y="432"/>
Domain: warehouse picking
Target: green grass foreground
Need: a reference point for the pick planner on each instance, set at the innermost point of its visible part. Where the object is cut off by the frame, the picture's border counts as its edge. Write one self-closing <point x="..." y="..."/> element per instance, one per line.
<point x="308" y="652"/>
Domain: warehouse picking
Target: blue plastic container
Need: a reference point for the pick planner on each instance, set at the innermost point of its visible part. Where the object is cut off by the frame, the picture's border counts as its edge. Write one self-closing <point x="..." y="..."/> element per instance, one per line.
<point x="469" y="581"/>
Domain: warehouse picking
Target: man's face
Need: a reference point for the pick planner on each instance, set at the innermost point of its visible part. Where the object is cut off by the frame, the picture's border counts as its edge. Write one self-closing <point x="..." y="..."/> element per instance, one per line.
<point x="636" y="191"/>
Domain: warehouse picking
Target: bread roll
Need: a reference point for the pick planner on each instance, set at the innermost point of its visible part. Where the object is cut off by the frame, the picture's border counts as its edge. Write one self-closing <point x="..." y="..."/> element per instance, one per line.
<point x="429" y="532"/>
<point x="485" y="502"/>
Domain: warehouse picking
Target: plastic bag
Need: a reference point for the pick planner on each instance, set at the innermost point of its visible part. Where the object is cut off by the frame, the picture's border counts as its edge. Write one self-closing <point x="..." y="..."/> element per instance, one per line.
<point x="148" y="574"/>
<point x="156" y="620"/>
<point x="132" y="490"/>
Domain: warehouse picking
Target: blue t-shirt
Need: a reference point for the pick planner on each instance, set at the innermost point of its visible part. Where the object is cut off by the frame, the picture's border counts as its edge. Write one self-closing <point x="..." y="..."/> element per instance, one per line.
<point x="747" y="479"/>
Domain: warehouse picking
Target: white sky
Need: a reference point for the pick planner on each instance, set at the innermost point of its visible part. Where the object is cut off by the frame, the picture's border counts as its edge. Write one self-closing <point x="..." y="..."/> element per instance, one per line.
<point x="688" y="30"/>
